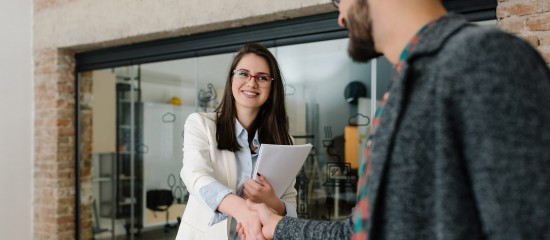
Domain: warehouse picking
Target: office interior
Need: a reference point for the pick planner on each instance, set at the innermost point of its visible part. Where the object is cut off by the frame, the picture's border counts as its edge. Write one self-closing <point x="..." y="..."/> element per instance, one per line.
<point x="138" y="116"/>
<point x="143" y="107"/>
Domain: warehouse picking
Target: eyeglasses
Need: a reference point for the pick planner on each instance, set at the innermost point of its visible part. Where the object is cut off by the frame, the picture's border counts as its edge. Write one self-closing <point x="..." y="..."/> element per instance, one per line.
<point x="243" y="76"/>
<point x="336" y="3"/>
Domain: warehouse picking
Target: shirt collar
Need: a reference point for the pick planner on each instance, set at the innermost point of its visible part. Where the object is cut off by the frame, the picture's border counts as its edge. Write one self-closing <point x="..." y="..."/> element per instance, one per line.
<point x="437" y="33"/>
<point x="241" y="133"/>
<point x="413" y="41"/>
<point x="411" y="44"/>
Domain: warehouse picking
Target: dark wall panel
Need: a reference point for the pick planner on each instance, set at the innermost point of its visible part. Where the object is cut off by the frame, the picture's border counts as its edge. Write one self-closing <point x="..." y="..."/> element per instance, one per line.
<point x="294" y="31"/>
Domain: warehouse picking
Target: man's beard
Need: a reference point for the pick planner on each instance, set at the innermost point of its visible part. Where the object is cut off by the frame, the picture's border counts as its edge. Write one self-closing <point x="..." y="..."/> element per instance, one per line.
<point x="361" y="43"/>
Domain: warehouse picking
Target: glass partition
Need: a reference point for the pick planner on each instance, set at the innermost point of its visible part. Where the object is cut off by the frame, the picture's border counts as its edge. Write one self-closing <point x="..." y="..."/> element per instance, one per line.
<point x="329" y="105"/>
<point x="168" y="98"/>
<point x="135" y="135"/>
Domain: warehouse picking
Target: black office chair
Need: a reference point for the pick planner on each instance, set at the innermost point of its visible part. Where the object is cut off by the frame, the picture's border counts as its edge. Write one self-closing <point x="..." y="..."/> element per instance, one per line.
<point x="160" y="200"/>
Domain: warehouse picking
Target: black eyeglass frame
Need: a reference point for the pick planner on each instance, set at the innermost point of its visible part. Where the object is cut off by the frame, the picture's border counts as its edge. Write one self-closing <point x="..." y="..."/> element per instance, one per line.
<point x="336" y="3"/>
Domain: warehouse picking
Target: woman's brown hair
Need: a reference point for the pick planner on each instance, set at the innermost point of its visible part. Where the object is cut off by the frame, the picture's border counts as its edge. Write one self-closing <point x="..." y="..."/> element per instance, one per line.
<point x="271" y="122"/>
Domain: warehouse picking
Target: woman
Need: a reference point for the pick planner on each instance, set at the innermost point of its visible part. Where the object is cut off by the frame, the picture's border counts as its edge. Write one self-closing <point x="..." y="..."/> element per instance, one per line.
<point x="220" y="151"/>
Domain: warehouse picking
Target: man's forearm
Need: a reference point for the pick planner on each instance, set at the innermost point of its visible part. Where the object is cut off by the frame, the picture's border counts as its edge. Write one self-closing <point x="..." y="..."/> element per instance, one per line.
<point x="294" y="228"/>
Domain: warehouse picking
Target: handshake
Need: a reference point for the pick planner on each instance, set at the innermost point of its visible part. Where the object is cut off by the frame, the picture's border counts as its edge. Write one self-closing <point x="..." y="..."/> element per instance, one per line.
<point x="260" y="223"/>
<point x="258" y="212"/>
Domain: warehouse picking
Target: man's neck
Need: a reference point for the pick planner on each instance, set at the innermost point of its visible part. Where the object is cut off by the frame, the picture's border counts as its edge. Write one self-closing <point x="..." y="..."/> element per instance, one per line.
<point x="404" y="27"/>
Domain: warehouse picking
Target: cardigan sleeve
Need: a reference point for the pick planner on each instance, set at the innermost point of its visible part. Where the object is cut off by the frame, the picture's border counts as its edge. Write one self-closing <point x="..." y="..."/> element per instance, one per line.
<point x="303" y="229"/>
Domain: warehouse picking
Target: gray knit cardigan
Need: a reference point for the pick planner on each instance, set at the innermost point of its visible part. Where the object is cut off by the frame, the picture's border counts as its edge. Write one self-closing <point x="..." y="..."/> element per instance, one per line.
<point x="463" y="147"/>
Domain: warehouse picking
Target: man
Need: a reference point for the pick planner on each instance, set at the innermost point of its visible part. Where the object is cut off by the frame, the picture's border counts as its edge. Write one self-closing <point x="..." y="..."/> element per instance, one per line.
<point x="461" y="150"/>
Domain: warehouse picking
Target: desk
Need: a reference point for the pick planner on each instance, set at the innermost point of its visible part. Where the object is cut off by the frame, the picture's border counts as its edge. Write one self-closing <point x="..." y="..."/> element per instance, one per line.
<point x="153" y="218"/>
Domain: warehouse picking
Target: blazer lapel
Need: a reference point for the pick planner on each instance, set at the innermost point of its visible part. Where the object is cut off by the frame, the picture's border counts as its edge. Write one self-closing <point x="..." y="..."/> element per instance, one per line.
<point x="230" y="169"/>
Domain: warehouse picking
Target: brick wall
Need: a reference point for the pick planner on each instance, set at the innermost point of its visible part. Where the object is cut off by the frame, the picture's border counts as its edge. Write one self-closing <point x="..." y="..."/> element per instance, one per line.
<point x="54" y="144"/>
<point x="54" y="176"/>
<point x="529" y="19"/>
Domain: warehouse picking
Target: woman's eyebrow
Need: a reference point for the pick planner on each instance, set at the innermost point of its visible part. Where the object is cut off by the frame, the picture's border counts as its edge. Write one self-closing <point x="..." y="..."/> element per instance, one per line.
<point x="244" y="69"/>
<point x="262" y="73"/>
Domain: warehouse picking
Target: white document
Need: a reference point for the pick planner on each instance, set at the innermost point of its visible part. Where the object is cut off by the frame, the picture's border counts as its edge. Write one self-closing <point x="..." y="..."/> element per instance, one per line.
<point x="280" y="164"/>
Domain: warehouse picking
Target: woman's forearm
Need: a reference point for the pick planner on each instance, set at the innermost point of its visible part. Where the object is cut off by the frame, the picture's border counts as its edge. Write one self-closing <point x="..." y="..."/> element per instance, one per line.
<point x="234" y="206"/>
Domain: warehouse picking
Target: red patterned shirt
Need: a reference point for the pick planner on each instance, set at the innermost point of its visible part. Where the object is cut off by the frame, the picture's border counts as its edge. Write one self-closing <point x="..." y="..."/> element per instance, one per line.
<point x="361" y="211"/>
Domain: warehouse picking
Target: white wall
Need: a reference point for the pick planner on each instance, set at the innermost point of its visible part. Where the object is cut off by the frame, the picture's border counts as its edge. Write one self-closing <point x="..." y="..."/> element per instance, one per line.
<point x="16" y="124"/>
<point x="102" y="23"/>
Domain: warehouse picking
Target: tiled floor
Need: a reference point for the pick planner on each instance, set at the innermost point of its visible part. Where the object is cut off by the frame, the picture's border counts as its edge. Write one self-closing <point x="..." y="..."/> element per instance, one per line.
<point x="157" y="234"/>
<point x="153" y="234"/>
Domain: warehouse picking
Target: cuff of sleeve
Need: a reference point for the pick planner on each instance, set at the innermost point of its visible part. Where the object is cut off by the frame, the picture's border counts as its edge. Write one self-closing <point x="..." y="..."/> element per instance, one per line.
<point x="213" y="194"/>
<point x="285" y="226"/>
<point x="290" y="210"/>
<point x="218" y="217"/>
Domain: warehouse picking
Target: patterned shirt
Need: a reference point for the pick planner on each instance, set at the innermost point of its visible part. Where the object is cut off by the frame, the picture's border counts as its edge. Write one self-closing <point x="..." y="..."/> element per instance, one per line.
<point x="360" y="213"/>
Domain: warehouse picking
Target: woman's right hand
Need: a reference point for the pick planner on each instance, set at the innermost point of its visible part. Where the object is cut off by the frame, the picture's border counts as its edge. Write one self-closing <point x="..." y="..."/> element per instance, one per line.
<point x="249" y="220"/>
<point x="249" y="225"/>
<point x="268" y="217"/>
<point x="261" y="191"/>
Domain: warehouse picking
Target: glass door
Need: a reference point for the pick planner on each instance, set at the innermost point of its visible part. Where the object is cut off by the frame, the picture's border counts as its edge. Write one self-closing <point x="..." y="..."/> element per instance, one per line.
<point x="169" y="96"/>
<point x="112" y="152"/>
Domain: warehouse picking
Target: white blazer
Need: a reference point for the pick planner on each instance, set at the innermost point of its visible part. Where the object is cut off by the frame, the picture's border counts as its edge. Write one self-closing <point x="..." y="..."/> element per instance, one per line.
<point x="203" y="164"/>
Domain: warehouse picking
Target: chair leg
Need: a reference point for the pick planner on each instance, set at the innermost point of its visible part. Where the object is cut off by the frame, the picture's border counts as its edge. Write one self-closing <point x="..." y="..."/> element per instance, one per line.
<point x="167" y="225"/>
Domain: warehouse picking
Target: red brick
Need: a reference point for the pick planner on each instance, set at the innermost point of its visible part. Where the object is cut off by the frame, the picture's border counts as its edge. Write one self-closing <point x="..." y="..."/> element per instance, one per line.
<point x="54" y="157"/>
<point x="533" y="40"/>
<point x="546" y="5"/>
<point x="538" y="23"/>
<point x="518" y="8"/>
<point x="511" y="24"/>
<point x="544" y="39"/>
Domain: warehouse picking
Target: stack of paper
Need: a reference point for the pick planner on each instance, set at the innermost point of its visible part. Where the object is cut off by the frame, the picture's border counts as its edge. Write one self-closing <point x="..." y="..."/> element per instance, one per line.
<point x="280" y="164"/>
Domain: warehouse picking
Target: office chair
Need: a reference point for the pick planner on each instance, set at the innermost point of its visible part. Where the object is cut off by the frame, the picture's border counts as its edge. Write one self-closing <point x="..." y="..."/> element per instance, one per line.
<point x="160" y="200"/>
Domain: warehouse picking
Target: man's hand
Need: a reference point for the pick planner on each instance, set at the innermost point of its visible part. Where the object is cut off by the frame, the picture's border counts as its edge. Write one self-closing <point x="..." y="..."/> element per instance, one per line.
<point x="268" y="217"/>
